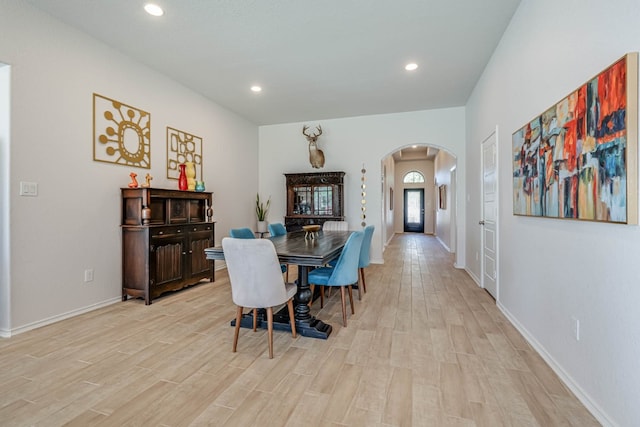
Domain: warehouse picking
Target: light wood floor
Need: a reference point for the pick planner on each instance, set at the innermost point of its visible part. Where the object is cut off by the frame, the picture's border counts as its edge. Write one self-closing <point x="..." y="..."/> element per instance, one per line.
<point x="426" y="347"/>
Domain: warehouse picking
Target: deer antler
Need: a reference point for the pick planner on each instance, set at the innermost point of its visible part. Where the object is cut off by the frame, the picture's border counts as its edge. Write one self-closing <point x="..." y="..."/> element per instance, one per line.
<point x="314" y="136"/>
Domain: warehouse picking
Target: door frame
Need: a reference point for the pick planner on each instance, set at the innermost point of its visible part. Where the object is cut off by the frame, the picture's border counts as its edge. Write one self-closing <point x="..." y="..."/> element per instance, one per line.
<point x="5" y="202"/>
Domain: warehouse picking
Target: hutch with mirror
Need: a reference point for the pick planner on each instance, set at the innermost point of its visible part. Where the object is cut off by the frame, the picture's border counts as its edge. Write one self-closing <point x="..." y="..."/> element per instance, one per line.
<point x="313" y="198"/>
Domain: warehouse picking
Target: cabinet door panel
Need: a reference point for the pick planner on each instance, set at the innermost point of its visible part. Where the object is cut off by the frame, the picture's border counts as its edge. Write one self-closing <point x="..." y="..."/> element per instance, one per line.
<point x="178" y="211"/>
<point x="199" y="263"/>
<point x="167" y="260"/>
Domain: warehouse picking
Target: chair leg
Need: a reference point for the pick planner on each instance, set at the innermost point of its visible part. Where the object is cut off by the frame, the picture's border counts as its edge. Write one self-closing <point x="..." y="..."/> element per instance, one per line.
<point x="364" y="283"/>
<point x="349" y="288"/>
<point x="255" y="319"/>
<point x="270" y="330"/>
<point x="237" y="330"/>
<point x="322" y="296"/>
<point x="286" y="274"/>
<point x="344" y="307"/>
<point x="292" y="317"/>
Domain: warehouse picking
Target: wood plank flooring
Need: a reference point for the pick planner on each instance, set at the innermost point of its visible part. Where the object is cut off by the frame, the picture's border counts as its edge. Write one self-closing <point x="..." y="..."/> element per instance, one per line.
<point x="426" y="347"/>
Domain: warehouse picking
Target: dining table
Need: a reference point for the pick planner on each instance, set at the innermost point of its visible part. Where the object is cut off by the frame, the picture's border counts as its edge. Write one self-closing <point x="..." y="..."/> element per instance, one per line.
<point x="307" y="252"/>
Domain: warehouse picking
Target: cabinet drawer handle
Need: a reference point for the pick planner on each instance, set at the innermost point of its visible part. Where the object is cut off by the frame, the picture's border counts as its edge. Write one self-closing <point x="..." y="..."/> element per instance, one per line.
<point x="195" y="228"/>
<point x="179" y="231"/>
<point x="184" y="253"/>
<point x="161" y="232"/>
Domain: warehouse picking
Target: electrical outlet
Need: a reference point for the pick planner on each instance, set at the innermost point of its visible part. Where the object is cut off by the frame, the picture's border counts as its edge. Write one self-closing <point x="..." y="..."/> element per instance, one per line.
<point x="88" y="275"/>
<point x="575" y="328"/>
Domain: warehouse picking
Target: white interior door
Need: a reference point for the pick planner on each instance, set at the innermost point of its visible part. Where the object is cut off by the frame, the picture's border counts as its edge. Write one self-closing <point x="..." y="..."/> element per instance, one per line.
<point x="453" y="206"/>
<point x="489" y="220"/>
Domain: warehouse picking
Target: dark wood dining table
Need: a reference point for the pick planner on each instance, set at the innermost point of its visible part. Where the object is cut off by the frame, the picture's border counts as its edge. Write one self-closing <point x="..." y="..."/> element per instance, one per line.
<point x="307" y="253"/>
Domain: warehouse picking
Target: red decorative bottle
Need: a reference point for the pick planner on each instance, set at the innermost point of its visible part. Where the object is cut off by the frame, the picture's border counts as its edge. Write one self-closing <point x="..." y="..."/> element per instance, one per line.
<point x="182" y="179"/>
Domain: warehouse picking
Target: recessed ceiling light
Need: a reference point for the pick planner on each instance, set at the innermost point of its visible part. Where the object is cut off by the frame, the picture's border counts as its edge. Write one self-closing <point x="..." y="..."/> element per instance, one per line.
<point x="414" y="146"/>
<point x="411" y="66"/>
<point x="153" y="9"/>
<point x="256" y="89"/>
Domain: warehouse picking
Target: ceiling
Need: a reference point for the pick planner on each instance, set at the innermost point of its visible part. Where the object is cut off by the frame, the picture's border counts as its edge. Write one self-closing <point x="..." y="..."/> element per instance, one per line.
<point x="417" y="152"/>
<point x="314" y="59"/>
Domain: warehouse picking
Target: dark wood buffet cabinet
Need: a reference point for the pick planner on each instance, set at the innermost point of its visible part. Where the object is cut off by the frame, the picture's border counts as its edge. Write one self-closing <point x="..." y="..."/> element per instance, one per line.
<point x="164" y="234"/>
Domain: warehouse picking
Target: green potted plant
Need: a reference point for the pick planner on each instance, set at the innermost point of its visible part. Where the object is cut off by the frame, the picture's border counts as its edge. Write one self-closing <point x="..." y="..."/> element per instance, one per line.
<point x="262" y="209"/>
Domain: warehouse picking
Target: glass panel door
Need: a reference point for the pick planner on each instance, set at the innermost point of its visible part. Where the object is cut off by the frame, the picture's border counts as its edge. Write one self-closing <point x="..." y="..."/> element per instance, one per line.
<point x="414" y="210"/>
<point x="323" y="200"/>
<point x="302" y="203"/>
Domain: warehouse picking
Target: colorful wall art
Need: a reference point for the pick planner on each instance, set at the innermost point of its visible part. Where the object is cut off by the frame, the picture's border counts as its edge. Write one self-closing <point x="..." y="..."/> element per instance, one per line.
<point x="183" y="147"/>
<point x="578" y="159"/>
<point x="121" y="133"/>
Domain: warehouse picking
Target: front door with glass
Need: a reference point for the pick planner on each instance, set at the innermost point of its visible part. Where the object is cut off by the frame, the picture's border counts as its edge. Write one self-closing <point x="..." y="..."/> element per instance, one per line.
<point x="414" y="210"/>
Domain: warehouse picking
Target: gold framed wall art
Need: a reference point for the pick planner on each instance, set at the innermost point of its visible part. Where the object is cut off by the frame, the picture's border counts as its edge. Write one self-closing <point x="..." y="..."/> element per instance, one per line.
<point x="121" y="133"/>
<point x="183" y="147"/>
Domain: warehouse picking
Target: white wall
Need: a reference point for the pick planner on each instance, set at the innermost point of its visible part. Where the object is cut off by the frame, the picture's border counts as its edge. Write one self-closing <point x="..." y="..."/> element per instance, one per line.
<point x="74" y="222"/>
<point x="444" y="162"/>
<point x="425" y="167"/>
<point x="551" y="270"/>
<point x="347" y="144"/>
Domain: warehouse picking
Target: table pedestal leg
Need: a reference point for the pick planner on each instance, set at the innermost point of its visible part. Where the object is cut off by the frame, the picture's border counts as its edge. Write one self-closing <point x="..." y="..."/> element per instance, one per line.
<point x="307" y="325"/>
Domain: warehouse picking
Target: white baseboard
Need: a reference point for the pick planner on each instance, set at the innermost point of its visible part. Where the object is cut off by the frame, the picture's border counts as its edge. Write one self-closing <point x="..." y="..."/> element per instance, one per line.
<point x="582" y="396"/>
<point x="53" y="319"/>
<point x="443" y="244"/>
<point x="473" y="276"/>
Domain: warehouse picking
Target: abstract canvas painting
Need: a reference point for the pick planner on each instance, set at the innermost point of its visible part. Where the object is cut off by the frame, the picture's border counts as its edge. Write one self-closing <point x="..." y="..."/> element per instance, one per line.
<point x="578" y="159"/>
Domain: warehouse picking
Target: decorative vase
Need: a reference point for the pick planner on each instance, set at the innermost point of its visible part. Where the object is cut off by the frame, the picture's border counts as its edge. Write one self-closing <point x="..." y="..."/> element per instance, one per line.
<point x="199" y="186"/>
<point x="262" y="226"/>
<point x="134" y="181"/>
<point x="146" y="215"/>
<point x="182" y="178"/>
<point x="191" y="176"/>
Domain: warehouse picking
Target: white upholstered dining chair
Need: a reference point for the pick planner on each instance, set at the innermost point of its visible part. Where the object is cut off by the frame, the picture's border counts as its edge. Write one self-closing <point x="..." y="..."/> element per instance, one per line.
<point x="257" y="282"/>
<point x="335" y="226"/>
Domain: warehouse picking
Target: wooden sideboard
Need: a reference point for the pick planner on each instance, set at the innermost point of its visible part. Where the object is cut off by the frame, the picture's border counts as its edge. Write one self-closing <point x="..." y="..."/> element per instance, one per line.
<point x="164" y="234"/>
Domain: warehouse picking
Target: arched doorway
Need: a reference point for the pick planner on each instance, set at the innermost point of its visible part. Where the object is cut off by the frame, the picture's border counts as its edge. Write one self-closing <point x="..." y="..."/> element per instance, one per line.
<point x="438" y="168"/>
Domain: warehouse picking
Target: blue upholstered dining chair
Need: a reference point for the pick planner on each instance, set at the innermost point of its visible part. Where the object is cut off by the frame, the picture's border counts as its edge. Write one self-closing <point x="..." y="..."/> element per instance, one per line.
<point x="242" y="233"/>
<point x="365" y="249"/>
<point x="343" y="275"/>
<point x="364" y="256"/>
<point x="277" y="229"/>
<point x="256" y="282"/>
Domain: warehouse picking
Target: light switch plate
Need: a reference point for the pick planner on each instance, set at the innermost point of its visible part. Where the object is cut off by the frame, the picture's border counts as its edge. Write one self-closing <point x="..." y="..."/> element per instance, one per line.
<point x="28" y="188"/>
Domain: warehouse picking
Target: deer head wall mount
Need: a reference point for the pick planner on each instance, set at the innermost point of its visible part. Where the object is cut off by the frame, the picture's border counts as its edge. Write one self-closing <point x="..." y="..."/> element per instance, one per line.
<point x="316" y="156"/>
